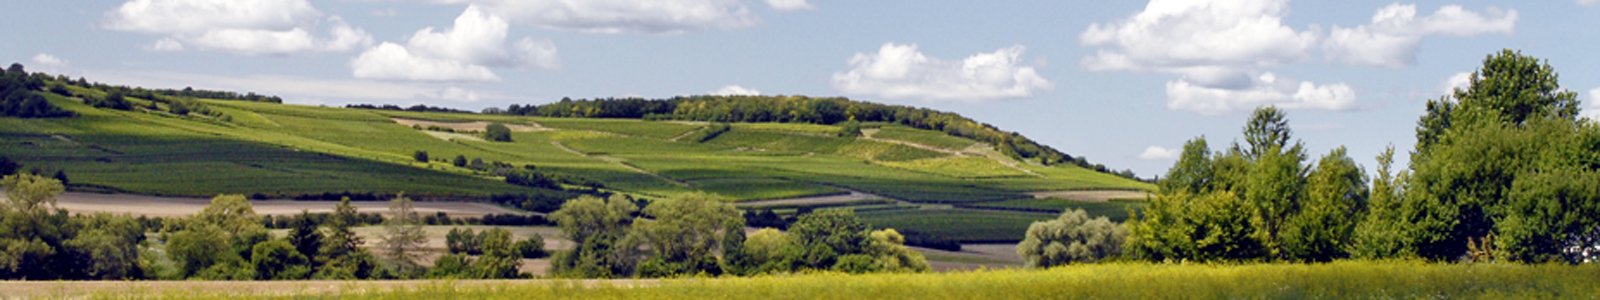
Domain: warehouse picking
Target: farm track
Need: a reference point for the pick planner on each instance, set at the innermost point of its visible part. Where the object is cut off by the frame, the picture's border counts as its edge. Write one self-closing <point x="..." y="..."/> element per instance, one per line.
<point x="618" y="161"/>
<point x="686" y="134"/>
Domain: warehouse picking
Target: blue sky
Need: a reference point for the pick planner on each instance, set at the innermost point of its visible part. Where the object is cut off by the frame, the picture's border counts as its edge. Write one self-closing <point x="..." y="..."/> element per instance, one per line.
<point x="1123" y="83"/>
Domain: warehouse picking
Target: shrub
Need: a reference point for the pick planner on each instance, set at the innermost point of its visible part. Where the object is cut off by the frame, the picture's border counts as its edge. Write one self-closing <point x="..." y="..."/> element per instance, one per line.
<point x="1070" y="238"/>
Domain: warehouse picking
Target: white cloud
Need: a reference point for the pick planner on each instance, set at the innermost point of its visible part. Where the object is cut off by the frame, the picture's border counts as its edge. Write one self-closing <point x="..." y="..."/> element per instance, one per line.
<point x="452" y="94"/>
<point x="464" y="52"/>
<point x="620" y="16"/>
<point x="250" y="27"/>
<point x="1208" y="41"/>
<point x="793" y="5"/>
<point x="1394" y="35"/>
<point x="48" y="60"/>
<point x="166" y="45"/>
<point x="393" y="62"/>
<point x="1593" y="111"/>
<point x="1159" y="153"/>
<point x="1266" y="89"/>
<point x="1462" y="80"/>
<point x="1589" y="3"/>
<point x="900" y="71"/>
<point x="732" y="90"/>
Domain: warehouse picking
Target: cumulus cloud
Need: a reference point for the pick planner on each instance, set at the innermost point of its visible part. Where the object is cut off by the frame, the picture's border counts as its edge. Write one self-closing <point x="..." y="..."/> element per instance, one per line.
<point x="623" y="16"/>
<point x="1159" y="153"/>
<point x="1589" y="3"/>
<point x="900" y="71"/>
<point x="1266" y="89"/>
<point x="793" y="5"/>
<point x="48" y="60"/>
<point x="1394" y="35"/>
<point x="1219" y="51"/>
<point x="1462" y="80"/>
<point x="464" y="52"/>
<point x="733" y="90"/>
<point x="1593" y="111"/>
<point x="250" y="27"/>
<point x="452" y="94"/>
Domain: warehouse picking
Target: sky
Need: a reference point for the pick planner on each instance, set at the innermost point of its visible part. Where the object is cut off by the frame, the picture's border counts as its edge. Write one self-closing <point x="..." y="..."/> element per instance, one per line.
<point x="1123" y="83"/>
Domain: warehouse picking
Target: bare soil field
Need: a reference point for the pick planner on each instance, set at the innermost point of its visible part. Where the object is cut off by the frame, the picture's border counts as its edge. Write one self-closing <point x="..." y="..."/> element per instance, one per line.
<point x="466" y="126"/>
<point x="175" y="207"/>
<point x="1092" y="196"/>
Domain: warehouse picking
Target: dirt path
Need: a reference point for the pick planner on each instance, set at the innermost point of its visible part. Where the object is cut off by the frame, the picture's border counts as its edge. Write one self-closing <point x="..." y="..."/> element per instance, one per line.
<point x="618" y="161"/>
<point x="852" y="197"/>
<point x="687" y="134"/>
<point x="1091" y="196"/>
<point x="175" y="207"/>
<point x="468" y="126"/>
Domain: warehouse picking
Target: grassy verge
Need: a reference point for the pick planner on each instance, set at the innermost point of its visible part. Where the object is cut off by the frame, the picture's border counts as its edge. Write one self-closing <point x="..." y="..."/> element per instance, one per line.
<point x="1339" y="280"/>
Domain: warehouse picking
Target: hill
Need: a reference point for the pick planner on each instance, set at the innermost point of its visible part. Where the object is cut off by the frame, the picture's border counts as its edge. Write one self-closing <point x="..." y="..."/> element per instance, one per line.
<point x="173" y="143"/>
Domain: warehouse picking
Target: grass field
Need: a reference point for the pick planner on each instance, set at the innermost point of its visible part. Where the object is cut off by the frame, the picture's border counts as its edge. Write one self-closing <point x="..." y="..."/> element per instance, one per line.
<point x="924" y="137"/>
<point x="965" y="225"/>
<point x="1116" y="210"/>
<point x="1338" y="280"/>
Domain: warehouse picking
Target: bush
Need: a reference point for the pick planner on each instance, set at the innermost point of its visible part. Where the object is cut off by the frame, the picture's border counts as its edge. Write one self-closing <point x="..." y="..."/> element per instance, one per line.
<point x="497" y="132"/>
<point x="1070" y="238"/>
<point x="420" y="156"/>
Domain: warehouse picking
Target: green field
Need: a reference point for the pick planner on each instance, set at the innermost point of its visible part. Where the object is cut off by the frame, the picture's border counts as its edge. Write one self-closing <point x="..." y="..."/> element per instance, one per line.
<point x="965" y="225"/>
<point x="1338" y="280"/>
<point x="1116" y="210"/>
<point x="278" y="150"/>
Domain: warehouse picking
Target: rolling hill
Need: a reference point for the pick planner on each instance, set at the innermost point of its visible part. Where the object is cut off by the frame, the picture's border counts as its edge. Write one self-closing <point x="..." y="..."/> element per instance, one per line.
<point x="271" y="150"/>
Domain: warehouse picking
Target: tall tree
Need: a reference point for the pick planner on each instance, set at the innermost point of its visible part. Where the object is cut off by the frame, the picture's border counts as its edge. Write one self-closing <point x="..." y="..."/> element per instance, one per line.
<point x="685" y="235"/>
<point x="403" y="237"/>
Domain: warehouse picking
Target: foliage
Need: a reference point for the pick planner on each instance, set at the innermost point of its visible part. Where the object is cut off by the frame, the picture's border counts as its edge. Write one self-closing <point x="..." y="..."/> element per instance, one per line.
<point x="849" y="129"/>
<point x="39" y="241"/>
<point x="18" y="100"/>
<point x="278" y="260"/>
<point x="403" y="239"/>
<point x="341" y="255"/>
<point x="1071" y="238"/>
<point x="1504" y="157"/>
<point x="420" y="156"/>
<point x="497" y="132"/>
<point x="597" y="227"/>
<point x="684" y="234"/>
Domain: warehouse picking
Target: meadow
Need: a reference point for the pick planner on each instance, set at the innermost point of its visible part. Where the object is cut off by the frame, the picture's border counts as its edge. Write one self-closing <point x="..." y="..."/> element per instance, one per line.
<point x="1337" y="280"/>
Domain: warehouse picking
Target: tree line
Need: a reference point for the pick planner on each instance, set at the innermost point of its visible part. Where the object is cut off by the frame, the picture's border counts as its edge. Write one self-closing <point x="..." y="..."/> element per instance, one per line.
<point x="801" y="109"/>
<point x="1504" y="170"/>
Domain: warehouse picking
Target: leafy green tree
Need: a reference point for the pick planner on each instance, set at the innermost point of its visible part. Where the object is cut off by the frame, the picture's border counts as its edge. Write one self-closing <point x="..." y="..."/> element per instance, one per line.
<point x="685" y="235"/>
<point x="1335" y="199"/>
<point x="107" y="246"/>
<point x="597" y="227"/>
<point x="1273" y="189"/>
<point x="769" y="250"/>
<point x="1477" y="172"/>
<point x="850" y="129"/>
<point x="403" y="237"/>
<point x="1380" y="234"/>
<point x="420" y="156"/>
<point x="16" y="69"/>
<point x="459" y="161"/>
<point x="826" y="234"/>
<point x="341" y="255"/>
<point x="278" y="260"/>
<point x="305" y="235"/>
<point x="531" y="248"/>
<point x="206" y="251"/>
<point x="29" y="217"/>
<point x="463" y="241"/>
<point x="497" y="132"/>
<point x="1071" y="238"/>
<point x="891" y="255"/>
<point x="7" y="166"/>
<point x="499" y="259"/>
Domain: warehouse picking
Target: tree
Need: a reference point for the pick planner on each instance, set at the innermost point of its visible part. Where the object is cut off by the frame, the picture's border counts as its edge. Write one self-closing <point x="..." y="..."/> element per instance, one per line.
<point x="597" y="227"/>
<point x="29" y="218"/>
<point x="497" y="132"/>
<point x="278" y="260"/>
<point x="218" y="242"/>
<point x="462" y="241"/>
<point x="499" y="259"/>
<point x="403" y="237"/>
<point x="1335" y="200"/>
<point x="850" y="129"/>
<point x="305" y="235"/>
<point x="459" y="161"/>
<point x="16" y="69"/>
<point x="685" y="235"/>
<point x="178" y="108"/>
<point x="7" y="166"/>
<point x="420" y="156"/>
<point x="770" y="250"/>
<point x="891" y="255"/>
<point x="342" y="255"/>
<point x="1475" y="173"/>
<point x="825" y="235"/>
<point x="1267" y="129"/>
<point x="106" y="246"/>
<point x="1071" y="238"/>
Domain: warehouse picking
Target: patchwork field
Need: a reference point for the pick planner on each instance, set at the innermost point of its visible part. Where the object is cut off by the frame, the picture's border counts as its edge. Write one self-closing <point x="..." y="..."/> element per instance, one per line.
<point x="276" y="151"/>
